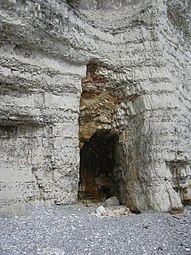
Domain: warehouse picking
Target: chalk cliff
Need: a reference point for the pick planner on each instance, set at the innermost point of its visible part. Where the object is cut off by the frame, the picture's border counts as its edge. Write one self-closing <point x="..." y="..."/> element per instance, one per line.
<point x="107" y="81"/>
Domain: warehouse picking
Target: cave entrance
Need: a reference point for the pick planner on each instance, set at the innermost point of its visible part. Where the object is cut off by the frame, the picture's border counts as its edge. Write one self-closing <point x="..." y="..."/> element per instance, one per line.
<point x="97" y="163"/>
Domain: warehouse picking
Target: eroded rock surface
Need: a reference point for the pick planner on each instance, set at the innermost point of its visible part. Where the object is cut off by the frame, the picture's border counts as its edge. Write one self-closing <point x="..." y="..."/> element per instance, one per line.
<point x="72" y="69"/>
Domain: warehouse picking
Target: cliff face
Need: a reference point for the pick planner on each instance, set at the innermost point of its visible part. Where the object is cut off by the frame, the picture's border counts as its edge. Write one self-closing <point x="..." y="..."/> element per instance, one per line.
<point x="87" y="76"/>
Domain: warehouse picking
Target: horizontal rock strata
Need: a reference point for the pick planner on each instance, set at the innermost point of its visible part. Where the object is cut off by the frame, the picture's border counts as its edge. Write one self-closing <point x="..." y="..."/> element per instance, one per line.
<point x="72" y="69"/>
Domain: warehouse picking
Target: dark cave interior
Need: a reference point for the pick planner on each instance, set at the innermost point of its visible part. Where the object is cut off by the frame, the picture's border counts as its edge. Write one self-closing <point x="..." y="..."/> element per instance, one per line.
<point x="97" y="162"/>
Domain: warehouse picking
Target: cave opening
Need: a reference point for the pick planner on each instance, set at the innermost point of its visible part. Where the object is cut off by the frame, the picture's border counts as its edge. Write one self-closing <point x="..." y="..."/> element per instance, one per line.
<point x="97" y="164"/>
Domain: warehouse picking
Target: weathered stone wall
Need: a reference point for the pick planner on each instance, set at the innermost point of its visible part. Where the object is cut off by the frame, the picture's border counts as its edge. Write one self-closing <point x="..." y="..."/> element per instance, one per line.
<point x="174" y="34"/>
<point x="40" y="94"/>
<point x="144" y="55"/>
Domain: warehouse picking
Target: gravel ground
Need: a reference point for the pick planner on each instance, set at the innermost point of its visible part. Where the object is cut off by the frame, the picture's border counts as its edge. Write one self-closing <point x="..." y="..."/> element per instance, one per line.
<point x="76" y="230"/>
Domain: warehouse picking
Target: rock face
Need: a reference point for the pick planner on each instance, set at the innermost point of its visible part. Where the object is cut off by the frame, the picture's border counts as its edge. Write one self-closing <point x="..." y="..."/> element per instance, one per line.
<point x="107" y="81"/>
